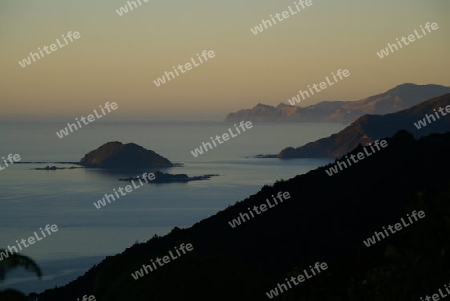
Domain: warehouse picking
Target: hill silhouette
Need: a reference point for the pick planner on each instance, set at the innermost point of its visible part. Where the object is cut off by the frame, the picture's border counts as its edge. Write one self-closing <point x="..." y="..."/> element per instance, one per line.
<point x="325" y="220"/>
<point x="369" y="128"/>
<point x="118" y="155"/>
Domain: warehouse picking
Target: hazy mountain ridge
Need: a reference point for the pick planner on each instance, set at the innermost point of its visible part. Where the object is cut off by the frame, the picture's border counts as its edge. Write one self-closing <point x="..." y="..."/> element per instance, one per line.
<point x="399" y="98"/>
<point x="372" y="127"/>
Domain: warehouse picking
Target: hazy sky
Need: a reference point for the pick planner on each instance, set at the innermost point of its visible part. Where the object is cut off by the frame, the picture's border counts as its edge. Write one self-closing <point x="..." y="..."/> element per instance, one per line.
<point x="118" y="57"/>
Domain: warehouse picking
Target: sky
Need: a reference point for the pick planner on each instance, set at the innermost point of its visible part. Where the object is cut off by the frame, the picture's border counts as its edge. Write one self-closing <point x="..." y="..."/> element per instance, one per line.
<point x="117" y="58"/>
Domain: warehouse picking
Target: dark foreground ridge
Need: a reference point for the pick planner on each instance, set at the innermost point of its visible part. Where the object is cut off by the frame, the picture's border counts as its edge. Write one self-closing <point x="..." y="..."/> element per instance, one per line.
<point x="118" y="155"/>
<point x="369" y="128"/>
<point x="326" y="219"/>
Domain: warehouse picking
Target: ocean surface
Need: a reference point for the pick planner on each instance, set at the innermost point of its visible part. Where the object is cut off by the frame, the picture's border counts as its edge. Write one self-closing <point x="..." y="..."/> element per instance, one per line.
<point x="30" y="199"/>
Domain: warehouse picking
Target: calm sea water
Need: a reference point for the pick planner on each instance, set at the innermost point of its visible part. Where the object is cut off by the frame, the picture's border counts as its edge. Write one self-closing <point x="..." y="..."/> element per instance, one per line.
<point x="30" y="199"/>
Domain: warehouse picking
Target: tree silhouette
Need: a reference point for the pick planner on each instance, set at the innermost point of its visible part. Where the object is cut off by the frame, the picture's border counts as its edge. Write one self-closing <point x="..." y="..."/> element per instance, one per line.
<point x="12" y="262"/>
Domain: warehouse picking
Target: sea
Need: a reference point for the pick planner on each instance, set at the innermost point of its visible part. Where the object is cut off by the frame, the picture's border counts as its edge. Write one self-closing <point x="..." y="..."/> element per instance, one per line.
<point x="31" y="199"/>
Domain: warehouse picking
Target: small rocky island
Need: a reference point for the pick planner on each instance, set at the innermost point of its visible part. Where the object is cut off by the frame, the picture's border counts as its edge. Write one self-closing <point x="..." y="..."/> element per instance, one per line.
<point x="55" y="168"/>
<point x="160" y="177"/>
<point x="123" y="156"/>
<point x="117" y="157"/>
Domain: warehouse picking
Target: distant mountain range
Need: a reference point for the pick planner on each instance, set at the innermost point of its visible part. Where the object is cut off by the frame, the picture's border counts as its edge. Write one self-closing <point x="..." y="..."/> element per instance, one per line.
<point x="372" y="127"/>
<point x="396" y="99"/>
